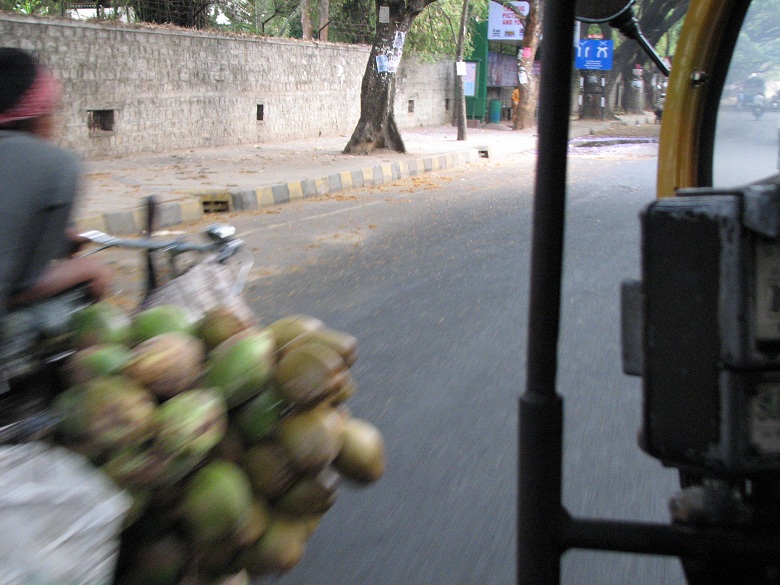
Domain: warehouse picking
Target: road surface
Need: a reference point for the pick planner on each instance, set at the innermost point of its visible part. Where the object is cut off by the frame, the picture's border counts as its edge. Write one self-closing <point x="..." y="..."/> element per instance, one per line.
<point x="432" y="277"/>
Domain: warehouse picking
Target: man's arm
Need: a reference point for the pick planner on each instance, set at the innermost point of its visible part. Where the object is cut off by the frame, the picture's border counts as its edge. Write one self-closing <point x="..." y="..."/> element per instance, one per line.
<point x="64" y="275"/>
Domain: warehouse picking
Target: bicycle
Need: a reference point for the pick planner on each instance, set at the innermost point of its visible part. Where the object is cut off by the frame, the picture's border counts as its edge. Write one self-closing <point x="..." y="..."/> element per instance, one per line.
<point x="35" y="340"/>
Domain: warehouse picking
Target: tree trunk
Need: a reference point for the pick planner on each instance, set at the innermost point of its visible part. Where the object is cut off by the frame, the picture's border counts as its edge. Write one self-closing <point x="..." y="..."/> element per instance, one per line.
<point x="324" y="19"/>
<point x="634" y="94"/>
<point x="596" y="86"/>
<point x="376" y="127"/>
<point x="593" y="91"/>
<point x="460" y="95"/>
<point x="306" y="27"/>
<point x="525" y="117"/>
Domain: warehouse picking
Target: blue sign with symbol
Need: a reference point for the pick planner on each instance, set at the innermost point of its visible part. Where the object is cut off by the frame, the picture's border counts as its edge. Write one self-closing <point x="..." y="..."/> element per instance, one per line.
<point x="594" y="54"/>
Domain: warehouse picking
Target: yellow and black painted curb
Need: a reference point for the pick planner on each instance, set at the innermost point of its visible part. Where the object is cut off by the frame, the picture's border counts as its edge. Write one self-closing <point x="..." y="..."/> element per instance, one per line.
<point x="199" y="204"/>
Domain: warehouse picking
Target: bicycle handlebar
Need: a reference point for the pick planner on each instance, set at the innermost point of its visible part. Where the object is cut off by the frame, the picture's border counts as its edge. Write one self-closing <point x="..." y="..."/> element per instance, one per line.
<point x="223" y="243"/>
<point x="147" y="243"/>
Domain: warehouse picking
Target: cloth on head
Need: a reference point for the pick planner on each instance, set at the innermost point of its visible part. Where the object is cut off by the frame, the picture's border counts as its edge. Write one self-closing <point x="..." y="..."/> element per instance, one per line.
<point x="40" y="99"/>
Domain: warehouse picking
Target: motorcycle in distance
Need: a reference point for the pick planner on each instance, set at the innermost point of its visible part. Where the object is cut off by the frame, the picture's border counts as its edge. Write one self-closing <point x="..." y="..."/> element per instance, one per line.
<point x="758" y="107"/>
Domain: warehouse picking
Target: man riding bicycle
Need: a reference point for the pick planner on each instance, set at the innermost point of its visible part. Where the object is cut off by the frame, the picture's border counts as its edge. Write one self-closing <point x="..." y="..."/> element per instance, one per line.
<point x="39" y="182"/>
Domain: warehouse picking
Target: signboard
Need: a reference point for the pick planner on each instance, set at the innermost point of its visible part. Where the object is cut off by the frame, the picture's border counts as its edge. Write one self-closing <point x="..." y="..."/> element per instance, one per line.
<point x="502" y="70"/>
<point x="504" y="24"/>
<point x="470" y="79"/>
<point x="594" y="54"/>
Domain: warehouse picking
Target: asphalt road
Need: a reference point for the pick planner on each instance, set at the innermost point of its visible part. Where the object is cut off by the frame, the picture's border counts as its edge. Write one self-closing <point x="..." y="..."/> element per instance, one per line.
<point x="746" y="149"/>
<point x="432" y="277"/>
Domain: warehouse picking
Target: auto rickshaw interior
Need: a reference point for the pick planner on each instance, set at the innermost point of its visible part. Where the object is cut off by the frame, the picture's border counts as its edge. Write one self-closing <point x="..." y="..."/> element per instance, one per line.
<point x="701" y="327"/>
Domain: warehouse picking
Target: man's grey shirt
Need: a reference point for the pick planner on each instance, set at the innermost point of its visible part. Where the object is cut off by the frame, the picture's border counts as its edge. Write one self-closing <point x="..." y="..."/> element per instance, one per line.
<point x="38" y="182"/>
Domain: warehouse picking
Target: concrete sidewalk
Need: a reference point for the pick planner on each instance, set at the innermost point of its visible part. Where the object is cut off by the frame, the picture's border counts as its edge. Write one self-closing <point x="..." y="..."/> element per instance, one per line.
<point x="192" y="183"/>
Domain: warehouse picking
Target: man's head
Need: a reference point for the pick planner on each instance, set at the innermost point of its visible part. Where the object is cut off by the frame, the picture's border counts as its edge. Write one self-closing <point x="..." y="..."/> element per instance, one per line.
<point x="28" y="92"/>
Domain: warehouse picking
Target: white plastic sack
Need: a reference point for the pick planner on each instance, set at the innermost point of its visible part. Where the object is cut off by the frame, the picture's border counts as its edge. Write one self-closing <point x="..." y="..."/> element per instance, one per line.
<point x="60" y="518"/>
<point x="202" y="287"/>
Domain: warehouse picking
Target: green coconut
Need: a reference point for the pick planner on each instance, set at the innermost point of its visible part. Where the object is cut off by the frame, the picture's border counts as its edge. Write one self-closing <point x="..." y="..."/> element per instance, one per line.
<point x="241" y="369"/>
<point x="135" y="468"/>
<point x="288" y="328"/>
<point x="344" y="344"/>
<point x="161" y="319"/>
<point x="192" y="422"/>
<point x="217" y="501"/>
<point x="112" y="413"/>
<point x="312" y="438"/>
<point x="362" y="455"/>
<point x="257" y="522"/>
<point x="103" y="359"/>
<point x="311" y="495"/>
<point x="100" y="323"/>
<point x="259" y="417"/>
<point x="220" y="323"/>
<point x="167" y="364"/>
<point x="269" y="469"/>
<point x="308" y="374"/>
<point x="279" y="549"/>
<point x="345" y="388"/>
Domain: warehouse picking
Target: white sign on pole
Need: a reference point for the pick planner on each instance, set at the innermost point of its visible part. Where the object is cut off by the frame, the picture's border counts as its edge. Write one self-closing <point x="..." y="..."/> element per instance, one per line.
<point x="522" y="77"/>
<point x="504" y="24"/>
<point x="460" y="68"/>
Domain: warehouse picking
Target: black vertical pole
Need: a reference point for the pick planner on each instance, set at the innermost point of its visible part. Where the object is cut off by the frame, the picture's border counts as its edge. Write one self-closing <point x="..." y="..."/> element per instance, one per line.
<point x="151" y="218"/>
<point x="540" y="432"/>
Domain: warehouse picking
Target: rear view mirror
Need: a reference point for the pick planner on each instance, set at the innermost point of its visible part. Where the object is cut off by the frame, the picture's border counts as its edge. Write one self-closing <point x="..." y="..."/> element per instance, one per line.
<point x="619" y="14"/>
<point x="598" y="11"/>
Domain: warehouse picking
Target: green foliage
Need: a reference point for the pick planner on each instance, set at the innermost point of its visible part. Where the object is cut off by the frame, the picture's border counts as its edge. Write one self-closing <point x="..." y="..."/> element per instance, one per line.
<point x="667" y="45"/>
<point x="660" y="21"/>
<point x="434" y="33"/>
<point x="30" y="6"/>
<point x="758" y="46"/>
<point x="353" y="21"/>
<point x="479" y="10"/>
<point x="262" y="17"/>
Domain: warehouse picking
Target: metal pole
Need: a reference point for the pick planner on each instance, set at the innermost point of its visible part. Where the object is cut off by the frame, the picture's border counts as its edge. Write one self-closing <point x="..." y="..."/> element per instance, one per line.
<point x="668" y="539"/>
<point x="151" y="219"/>
<point x="550" y="197"/>
<point x="540" y="415"/>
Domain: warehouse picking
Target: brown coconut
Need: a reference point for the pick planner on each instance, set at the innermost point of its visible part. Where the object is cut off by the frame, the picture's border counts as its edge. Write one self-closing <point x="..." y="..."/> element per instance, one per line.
<point x="167" y="364"/>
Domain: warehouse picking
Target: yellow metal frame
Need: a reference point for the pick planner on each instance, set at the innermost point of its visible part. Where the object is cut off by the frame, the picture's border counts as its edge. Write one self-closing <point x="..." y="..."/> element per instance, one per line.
<point x="678" y="152"/>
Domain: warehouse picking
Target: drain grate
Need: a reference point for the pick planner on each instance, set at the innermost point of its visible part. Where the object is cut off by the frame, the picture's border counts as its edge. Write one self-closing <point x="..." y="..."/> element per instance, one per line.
<point x="215" y="204"/>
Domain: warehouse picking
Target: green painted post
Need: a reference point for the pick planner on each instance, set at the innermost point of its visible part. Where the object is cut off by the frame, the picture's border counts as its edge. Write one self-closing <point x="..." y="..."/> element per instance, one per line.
<point x="476" y="107"/>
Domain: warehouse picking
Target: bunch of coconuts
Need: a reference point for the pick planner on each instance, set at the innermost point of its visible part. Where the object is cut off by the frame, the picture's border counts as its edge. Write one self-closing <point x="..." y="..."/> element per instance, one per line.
<point x="231" y="438"/>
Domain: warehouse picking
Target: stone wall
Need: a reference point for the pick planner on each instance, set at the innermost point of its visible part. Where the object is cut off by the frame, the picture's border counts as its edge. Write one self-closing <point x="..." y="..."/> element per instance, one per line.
<point x="132" y="88"/>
